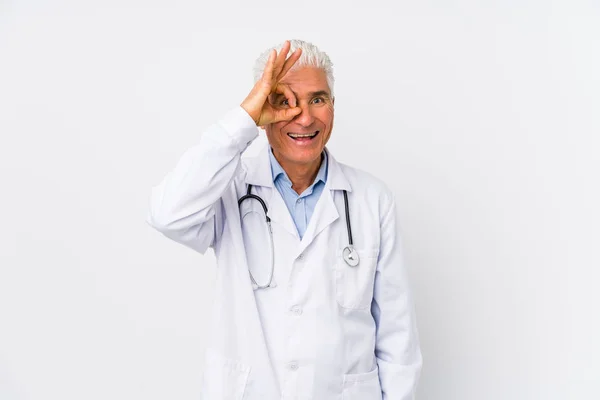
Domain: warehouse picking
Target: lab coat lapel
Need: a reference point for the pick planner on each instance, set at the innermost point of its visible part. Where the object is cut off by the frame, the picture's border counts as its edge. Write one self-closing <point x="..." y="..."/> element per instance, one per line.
<point x="326" y="212"/>
<point x="258" y="173"/>
<point x="279" y="213"/>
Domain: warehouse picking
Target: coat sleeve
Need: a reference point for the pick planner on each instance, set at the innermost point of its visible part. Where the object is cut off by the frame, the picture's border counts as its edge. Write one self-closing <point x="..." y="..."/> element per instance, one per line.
<point x="186" y="205"/>
<point x="397" y="347"/>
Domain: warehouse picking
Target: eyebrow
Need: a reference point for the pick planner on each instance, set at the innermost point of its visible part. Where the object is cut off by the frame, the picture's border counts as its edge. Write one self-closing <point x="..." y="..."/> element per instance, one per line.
<point x="323" y="93"/>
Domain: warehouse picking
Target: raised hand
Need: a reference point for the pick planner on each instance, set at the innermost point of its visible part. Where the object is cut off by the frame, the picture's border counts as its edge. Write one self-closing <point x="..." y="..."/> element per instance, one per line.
<point x="256" y="103"/>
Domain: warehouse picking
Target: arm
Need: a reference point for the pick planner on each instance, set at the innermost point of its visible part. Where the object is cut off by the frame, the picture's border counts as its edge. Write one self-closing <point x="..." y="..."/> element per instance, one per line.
<point x="186" y="204"/>
<point x="397" y="344"/>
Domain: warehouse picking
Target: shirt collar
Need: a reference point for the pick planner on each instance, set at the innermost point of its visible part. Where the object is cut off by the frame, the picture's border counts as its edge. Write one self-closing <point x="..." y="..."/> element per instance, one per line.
<point x="277" y="171"/>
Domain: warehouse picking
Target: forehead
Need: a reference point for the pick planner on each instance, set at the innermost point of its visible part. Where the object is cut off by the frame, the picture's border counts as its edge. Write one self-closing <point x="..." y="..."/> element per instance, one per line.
<point x="304" y="80"/>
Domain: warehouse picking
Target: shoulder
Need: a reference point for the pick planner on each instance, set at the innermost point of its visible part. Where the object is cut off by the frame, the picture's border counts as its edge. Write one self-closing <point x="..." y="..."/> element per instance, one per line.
<point x="363" y="180"/>
<point x="368" y="187"/>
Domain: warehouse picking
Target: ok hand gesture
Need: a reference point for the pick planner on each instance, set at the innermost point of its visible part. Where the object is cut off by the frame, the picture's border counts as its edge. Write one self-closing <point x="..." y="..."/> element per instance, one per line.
<point x="256" y="103"/>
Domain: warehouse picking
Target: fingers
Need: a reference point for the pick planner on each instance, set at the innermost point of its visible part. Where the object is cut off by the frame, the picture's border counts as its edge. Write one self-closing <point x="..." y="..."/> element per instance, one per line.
<point x="280" y="61"/>
<point x="289" y="63"/>
<point x="267" y="75"/>
<point x="287" y="92"/>
<point x="268" y="88"/>
<point x="277" y="65"/>
<point x="286" y="114"/>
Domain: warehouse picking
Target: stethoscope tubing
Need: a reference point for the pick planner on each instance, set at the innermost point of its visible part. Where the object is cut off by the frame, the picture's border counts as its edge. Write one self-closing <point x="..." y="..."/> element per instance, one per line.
<point x="350" y="247"/>
<point x="349" y="228"/>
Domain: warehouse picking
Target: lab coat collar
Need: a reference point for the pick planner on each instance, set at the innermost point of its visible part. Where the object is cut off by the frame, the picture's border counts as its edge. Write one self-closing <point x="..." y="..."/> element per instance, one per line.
<point x="278" y="173"/>
<point x="258" y="171"/>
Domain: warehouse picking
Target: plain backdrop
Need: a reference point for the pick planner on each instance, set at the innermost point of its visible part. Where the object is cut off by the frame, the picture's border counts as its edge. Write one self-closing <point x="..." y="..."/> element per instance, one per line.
<point x="482" y="117"/>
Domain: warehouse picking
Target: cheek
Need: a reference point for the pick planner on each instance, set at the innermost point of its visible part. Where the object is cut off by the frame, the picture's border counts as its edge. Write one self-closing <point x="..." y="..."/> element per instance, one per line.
<point x="325" y="115"/>
<point x="327" y="119"/>
<point x="274" y="130"/>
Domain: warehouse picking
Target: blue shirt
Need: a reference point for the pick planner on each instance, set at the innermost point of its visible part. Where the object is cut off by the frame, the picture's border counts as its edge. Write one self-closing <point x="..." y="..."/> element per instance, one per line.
<point x="301" y="206"/>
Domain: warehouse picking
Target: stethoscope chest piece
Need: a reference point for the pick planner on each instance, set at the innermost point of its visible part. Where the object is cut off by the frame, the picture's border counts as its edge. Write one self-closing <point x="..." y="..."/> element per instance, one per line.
<point x="351" y="256"/>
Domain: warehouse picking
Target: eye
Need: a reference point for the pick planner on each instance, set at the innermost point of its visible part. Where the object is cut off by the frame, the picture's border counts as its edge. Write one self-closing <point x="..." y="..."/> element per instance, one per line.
<point x="318" y="100"/>
<point x="285" y="102"/>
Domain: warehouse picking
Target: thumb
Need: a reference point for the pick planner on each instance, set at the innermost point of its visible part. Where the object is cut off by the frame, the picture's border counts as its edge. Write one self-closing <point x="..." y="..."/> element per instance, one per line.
<point x="286" y="114"/>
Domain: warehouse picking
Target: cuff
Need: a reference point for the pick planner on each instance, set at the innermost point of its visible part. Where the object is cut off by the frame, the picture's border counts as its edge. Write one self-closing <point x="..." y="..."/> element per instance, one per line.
<point x="240" y="127"/>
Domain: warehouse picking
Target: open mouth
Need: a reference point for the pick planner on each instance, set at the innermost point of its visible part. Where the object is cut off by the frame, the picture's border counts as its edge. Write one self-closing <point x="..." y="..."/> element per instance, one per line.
<point x="303" y="137"/>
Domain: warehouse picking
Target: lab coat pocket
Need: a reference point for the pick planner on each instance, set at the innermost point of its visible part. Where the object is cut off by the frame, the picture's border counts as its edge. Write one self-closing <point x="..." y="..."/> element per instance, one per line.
<point x="224" y="378"/>
<point x="354" y="285"/>
<point x="362" y="386"/>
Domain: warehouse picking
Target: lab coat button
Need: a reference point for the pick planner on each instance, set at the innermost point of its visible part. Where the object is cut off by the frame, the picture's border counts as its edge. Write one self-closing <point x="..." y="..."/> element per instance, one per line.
<point x="296" y="310"/>
<point x="293" y="365"/>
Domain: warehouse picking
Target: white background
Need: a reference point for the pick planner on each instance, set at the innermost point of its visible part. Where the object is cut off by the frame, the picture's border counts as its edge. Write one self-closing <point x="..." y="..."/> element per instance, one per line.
<point x="483" y="118"/>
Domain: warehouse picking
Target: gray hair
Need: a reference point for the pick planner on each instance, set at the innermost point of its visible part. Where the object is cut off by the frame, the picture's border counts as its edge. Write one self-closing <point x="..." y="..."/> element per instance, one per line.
<point x="311" y="57"/>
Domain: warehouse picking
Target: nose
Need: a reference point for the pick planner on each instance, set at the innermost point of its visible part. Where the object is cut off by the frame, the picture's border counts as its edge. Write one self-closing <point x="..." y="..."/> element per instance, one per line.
<point x="305" y="118"/>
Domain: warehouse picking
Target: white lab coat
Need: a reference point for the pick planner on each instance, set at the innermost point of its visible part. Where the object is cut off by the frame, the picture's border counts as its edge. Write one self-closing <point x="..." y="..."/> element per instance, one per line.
<point x="327" y="330"/>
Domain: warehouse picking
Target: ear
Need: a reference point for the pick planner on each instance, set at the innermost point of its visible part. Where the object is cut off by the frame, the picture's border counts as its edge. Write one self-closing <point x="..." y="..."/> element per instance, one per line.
<point x="333" y="101"/>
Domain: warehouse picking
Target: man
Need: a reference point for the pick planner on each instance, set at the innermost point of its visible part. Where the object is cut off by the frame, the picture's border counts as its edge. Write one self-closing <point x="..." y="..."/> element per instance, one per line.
<point x="312" y="299"/>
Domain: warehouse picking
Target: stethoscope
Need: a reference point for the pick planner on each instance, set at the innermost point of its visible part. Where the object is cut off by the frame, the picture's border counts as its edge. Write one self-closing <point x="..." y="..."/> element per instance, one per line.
<point x="349" y="254"/>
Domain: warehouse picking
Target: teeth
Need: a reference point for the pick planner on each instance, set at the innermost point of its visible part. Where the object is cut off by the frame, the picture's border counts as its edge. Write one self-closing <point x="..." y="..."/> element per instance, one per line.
<point x="305" y="135"/>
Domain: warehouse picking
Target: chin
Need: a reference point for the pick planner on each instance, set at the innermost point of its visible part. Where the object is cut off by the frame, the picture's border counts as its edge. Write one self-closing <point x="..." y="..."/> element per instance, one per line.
<point x="303" y="156"/>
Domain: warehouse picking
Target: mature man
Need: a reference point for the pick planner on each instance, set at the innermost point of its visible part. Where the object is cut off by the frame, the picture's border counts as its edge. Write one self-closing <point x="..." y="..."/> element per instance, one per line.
<point x="312" y="299"/>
